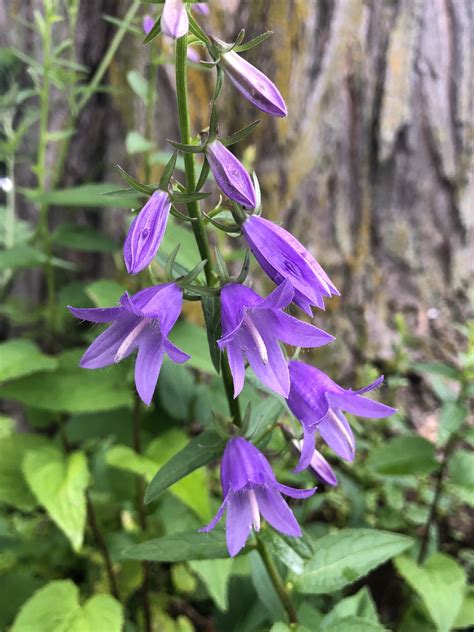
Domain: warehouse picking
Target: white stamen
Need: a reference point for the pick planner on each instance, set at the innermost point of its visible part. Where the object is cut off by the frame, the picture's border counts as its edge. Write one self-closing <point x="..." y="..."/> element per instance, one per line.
<point x="255" y="511"/>
<point x="257" y="338"/>
<point x="342" y="428"/>
<point x="130" y="339"/>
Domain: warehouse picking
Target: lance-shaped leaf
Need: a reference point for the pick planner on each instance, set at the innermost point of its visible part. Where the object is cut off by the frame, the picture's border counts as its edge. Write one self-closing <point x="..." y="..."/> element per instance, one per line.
<point x="154" y="32"/>
<point x="186" y="198"/>
<point x="168" y="171"/>
<point x="197" y="31"/>
<point x="240" y="134"/>
<point x="186" y="148"/>
<point x="255" y="41"/>
<point x="135" y="184"/>
<point x="200" y="451"/>
<point x="181" y="547"/>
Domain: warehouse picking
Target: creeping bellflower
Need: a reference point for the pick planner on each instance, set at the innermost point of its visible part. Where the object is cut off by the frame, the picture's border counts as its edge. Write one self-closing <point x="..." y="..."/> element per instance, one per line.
<point x="283" y="257"/>
<point x="252" y="327"/>
<point x="146" y="232"/>
<point x="141" y="322"/>
<point x="174" y="19"/>
<point x="253" y="84"/>
<point x="230" y="174"/>
<point x="317" y="402"/>
<point x="318" y="465"/>
<point x="250" y="488"/>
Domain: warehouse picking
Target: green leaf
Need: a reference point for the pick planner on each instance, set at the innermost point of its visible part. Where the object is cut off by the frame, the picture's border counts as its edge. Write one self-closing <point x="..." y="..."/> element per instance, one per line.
<point x="440" y="583"/>
<point x="461" y="469"/>
<point x="189" y="336"/>
<point x="104" y="293"/>
<point x="453" y="414"/>
<point x="284" y="627"/>
<point x="181" y="547"/>
<point x="176" y="390"/>
<point x="72" y="390"/>
<point x="212" y="316"/>
<point x="59" y="482"/>
<point x="136" y="143"/>
<point x="138" y="84"/>
<point x="355" y="624"/>
<point x="253" y="42"/>
<point x="83" y="238"/>
<point x="21" y="256"/>
<point x="342" y="558"/>
<point x="283" y="551"/>
<point x="437" y="368"/>
<point x="56" y="608"/>
<point x="17" y="587"/>
<point x="134" y="183"/>
<point x="240" y="135"/>
<point x="91" y="195"/>
<point x="359" y="605"/>
<point x="265" y="588"/>
<point x="20" y="357"/>
<point x="13" y="488"/>
<point x="465" y="617"/>
<point x="200" y="451"/>
<point x="215" y="574"/>
<point x="403" y="456"/>
<point x="188" y="255"/>
<point x="154" y="32"/>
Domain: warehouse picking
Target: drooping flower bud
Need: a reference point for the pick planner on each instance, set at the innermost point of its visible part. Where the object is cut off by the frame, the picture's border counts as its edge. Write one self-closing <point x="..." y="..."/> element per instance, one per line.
<point x="174" y="19"/>
<point x="230" y="175"/>
<point x="146" y="232"/>
<point x="148" y="23"/>
<point x="253" y="84"/>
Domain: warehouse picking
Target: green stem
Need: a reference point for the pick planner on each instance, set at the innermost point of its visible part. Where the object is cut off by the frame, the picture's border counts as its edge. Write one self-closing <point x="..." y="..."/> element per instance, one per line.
<point x="277" y="581"/>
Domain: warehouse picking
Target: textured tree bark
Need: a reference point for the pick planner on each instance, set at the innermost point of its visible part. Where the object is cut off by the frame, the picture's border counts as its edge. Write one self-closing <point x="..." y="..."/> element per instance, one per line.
<point x="373" y="167"/>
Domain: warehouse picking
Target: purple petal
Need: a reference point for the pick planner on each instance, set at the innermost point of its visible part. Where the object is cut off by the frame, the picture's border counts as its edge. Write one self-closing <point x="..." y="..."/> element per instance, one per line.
<point x="237" y="366"/>
<point x="275" y="510"/>
<point x="253" y="84"/>
<point x="96" y="314"/>
<point x="358" y="405"/>
<point x="243" y="463"/>
<point x="216" y="518"/>
<point x="279" y="298"/>
<point x="201" y="7"/>
<point x="238" y="521"/>
<point x="295" y="493"/>
<point x="337" y="433"/>
<point x="161" y="302"/>
<point x="307" y="398"/>
<point x="176" y="354"/>
<point x="235" y="299"/>
<point x="298" y="333"/>
<point x="230" y="175"/>
<point x="272" y="371"/>
<point x="103" y="350"/>
<point x="148" y="24"/>
<point x="306" y="447"/>
<point x="146" y="232"/>
<point x="322" y="469"/>
<point x="174" y="19"/>
<point x="375" y="384"/>
<point x="148" y="365"/>
<point x="193" y="55"/>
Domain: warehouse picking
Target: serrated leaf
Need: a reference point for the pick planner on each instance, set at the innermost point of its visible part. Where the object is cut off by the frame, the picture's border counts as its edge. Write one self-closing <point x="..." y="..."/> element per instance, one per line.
<point x="403" y="456"/>
<point x="440" y="583"/>
<point x="215" y="574"/>
<point x="56" y="608"/>
<point x="19" y="357"/>
<point x="59" y="481"/>
<point x="342" y="558"/>
<point x="181" y="547"/>
<point x="200" y="451"/>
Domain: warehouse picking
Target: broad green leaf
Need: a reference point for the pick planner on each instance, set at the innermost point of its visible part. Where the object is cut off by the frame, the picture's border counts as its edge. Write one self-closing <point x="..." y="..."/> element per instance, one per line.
<point x="453" y="414"/>
<point x="19" y="357"/>
<point x="403" y="456"/>
<point x="138" y="84"/>
<point x="465" y="617"/>
<point x="59" y="482"/>
<point x="7" y="426"/>
<point x="284" y="627"/>
<point x="104" y="293"/>
<point x="137" y="143"/>
<point x="281" y="550"/>
<point x="440" y="583"/>
<point x="56" y="608"/>
<point x="181" y="547"/>
<point x="17" y="587"/>
<point x="461" y="475"/>
<point x="91" y="195"/>
<point x="264" y="415"/>
<point x="265" y="588"/>
<point x="193" y="340"/>
<point x="21" y="256"/>
<point x="83" y="238"/>
<point x="438" y="368"/>
<point x="342" y="558"/>
<point x="125" y="458"/>
<point x="176" y="390"/>
<point x="14" y="490"/>
<point x="72" y="390"/>
<point x="200" y="451"/>
<point x="188" y="255"/>
<point x="215" y="574"/>
<point x="359" y="605"/>
<point x="354" y="624"/>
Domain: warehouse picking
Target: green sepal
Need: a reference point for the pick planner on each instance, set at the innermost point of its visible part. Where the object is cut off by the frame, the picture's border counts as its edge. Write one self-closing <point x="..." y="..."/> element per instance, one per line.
<point x="135" y="184"/>
<point x="170" y="264"/>
<point x="186" y="198"/>
<point x="230" y="47"/>
<point x="221" y="266"/>
<point x="194" y="273"/>
<point x="197" y="31"/>
<point x="203" y="175"/>
<point x="200" y="290"/>
<point x="187" y="149"/>
<point x="253" y="42"/>
<point x="184" y="218"/>
<point x="239" y="135"/>
<point x="154" y="32"/>
<point x="245" y="268"/>
<point x="226" y="228"/>
<point x="211" y="307"/>
<point x="168" y="172"/>
<point x="218" y="86"/>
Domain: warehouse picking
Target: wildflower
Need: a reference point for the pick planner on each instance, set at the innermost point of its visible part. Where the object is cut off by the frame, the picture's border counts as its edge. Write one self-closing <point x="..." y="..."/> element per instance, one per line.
<point x="148" y="24"/>
<point x="146" y="232"/>
<point x="174" y="19"/>
<point x="318" y="465"/>
<point x="317" y="402"/>
<point x="253" y="84"/>
<point x="251" y="328"/>
<point x="250" y="488"/>
<point x="283" y="257"/>
<point x="141" y="322"/>
<point x="201" y="7"/>
<point x="230" y="174"/>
